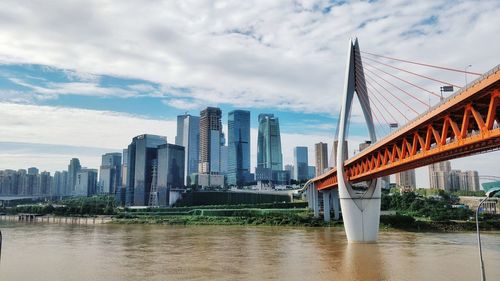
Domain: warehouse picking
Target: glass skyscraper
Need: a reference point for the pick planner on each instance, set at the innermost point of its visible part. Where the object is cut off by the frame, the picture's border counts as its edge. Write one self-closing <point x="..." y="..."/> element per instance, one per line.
<point x="74" y="168"/>
<point x="170" y="172"/>
<point x="238" y="147"/>
<point x="269" y="143"/>
<point x="188" y="135"/>
<point x="142" y="152"/>
<point x="110" y="173"/>
<point x="300" y="164"/>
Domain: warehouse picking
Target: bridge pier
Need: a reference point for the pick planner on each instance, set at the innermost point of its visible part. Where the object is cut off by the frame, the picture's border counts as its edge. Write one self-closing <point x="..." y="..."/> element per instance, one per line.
<point x="331" y="202"/>
<point x="315" y="197"/>
<point x="313" y="200"/>
<point x="326" y="205"/>
<point x="335" y="203"/>
<point x="309" y="198"/>
<point x="360" y="213"/>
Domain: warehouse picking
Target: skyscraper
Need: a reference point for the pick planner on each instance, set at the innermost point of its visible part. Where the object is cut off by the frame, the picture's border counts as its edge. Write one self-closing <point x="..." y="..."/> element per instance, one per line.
<point x="300" y="165"/>
<point x="455" y="180"/>
<point x="210" y="140"/>
<point x="23" y="182"/>
<point x="269" y="153"/>
<point x="188" y="135"/>
<point x="8" y="182"/>
<point x="110" y="172"/>
<point x="439" y="175"/>
<point x="333" y="156"/>
<point x="59" y="182"/>
<point x="122" y="191"/>
<point x="32" y="181"/>
<point x="290" y="169"/>
<point x="74" y="168"/>
<point x="321" y="152"/>
<point x="238" y="147"/>
<point x="45" y="183"/>
<point x="469" y="181"/>
<point x="170" y="171"/>
<point x="311" y="172"/>
<point x="406" y="179"/>
<point x="86" y="182"/>
<point x="142" y="152"/>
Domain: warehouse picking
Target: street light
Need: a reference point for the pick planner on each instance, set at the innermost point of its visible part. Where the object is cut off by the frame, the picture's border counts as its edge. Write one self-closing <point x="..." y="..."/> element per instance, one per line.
<point x="469" y="65"/>
<point x="489" y="194"/>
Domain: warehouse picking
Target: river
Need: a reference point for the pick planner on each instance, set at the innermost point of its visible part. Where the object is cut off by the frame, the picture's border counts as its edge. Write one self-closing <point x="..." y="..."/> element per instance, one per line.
<point x="41" y="251"/>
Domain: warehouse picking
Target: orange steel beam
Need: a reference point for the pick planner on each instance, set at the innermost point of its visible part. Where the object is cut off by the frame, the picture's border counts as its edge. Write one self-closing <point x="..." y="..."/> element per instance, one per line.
<point x="464" y="124"/>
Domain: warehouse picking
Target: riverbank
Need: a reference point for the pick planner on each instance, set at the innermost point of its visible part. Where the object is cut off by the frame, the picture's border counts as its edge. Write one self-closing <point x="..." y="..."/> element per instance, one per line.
<point x="306" y="219"/>
<point x="252" y="217"/>
<point x="55" y="219"/>
<point x="255" y="217"/>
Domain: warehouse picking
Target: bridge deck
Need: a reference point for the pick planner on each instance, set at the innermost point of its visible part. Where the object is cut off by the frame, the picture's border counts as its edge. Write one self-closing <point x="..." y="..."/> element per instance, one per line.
<point x="461" y="125"/>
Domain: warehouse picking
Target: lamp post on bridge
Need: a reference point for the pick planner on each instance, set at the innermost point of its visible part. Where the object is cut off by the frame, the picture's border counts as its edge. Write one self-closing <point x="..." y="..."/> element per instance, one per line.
<point x="489" y="194"/>
<point x="467" y="66"/>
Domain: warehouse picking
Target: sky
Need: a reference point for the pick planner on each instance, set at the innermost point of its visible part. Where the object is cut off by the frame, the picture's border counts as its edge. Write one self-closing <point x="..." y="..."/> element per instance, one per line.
<point x="81" y="78"/>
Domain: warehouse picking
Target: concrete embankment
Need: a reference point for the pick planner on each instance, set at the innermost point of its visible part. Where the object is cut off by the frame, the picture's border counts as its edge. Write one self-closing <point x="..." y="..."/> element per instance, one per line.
<point x="55" y="219"/>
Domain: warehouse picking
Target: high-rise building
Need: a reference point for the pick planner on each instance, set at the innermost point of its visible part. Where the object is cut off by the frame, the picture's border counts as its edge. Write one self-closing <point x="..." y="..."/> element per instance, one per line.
<point x="120" y="196"/>
<point x="170" y="171"/>
<point x="23" y="182"/>
<point x="45" y="183"/>
<point x="469" y="181"/>
<point x="300" y="164"/>
<point x="269" y="153"/>
<point x="321" y="152"/>
<point x="32" y="181"/>
<point x="142" y="152"/>
<point x="110" y="173"/>
<point x="33" y="171"/>
<point x="59" y="183"/>
<point x="210" y="141"/>
<point x="188" y="135"/>
<point x="86" y="182"/>
<point x="333" y="156"/>
<point x="290" y="169"/>
<point x="224" y="158"/>
<point x="406" y="179"/>
<point x="238" y="125"/>
<point x="74" y="168"/>
<point x="8" y="182"/>
<point x="311" y="172"/>
<point x="439" y="175"/>
<point x="455" y="180"/>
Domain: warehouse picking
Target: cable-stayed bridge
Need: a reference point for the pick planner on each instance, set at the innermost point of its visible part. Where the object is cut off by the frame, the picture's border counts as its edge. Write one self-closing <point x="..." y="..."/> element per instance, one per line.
<point x="466" y="122"/>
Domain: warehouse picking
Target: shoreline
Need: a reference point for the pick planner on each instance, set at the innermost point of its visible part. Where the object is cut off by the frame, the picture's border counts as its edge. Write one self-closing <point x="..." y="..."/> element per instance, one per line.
<point x="387" y="222"/>
<point x="55" y="219"/>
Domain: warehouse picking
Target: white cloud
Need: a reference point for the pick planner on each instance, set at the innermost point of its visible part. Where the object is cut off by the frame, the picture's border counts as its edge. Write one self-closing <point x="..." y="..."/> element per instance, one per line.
<point x="183" y="104"/>
<point x="75" y="88"/>
<point x="288" y="55"/>
<point x="76" y="127"/>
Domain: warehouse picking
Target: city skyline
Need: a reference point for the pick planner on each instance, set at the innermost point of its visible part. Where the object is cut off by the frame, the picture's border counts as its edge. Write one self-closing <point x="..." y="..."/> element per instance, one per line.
<point x="45" y="85"/>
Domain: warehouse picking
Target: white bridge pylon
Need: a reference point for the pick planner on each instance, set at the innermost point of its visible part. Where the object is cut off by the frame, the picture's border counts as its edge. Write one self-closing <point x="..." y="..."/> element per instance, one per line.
<point x="360" y="210"/>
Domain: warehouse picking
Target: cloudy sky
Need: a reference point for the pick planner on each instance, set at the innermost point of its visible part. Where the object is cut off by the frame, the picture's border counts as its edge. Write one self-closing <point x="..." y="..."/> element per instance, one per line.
<point x="80" y="78"/>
